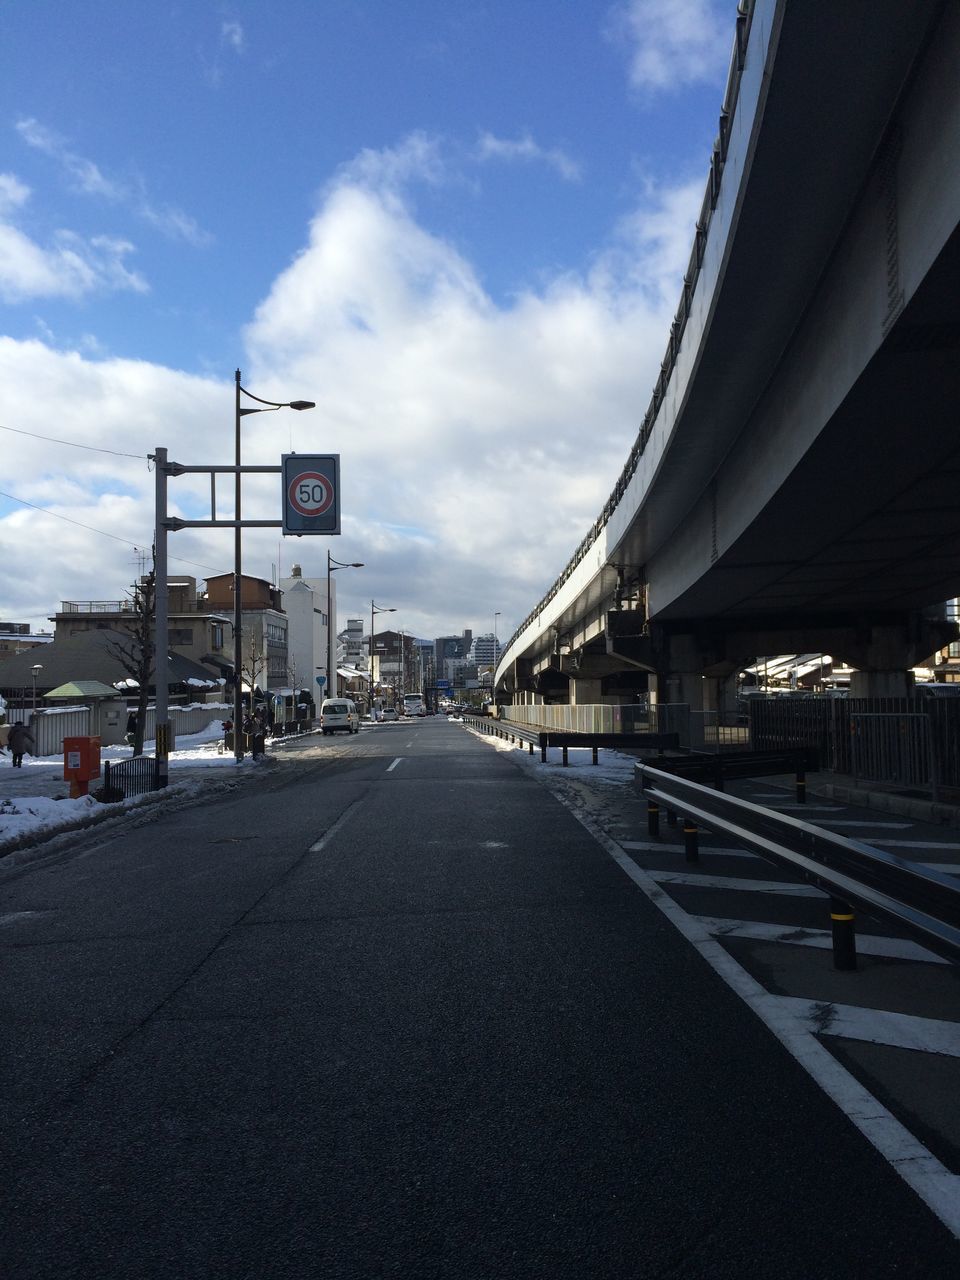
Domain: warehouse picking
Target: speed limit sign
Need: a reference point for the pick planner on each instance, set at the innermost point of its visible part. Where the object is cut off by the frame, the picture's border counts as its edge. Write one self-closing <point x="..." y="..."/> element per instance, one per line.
<point x="311" y="493"/>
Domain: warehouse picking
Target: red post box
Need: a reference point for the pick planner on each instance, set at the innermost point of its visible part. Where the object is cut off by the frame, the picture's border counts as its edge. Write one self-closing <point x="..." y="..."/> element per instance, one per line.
<point x="81" y="764"/>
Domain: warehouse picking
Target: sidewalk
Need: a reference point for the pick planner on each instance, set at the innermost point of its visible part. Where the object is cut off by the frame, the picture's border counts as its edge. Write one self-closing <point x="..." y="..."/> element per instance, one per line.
<point x="35" y="802"/>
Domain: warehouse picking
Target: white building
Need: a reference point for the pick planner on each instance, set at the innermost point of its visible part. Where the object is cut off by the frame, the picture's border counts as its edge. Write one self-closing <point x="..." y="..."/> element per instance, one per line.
<point x="485" y="651"/>
<point x="305" y="604"/>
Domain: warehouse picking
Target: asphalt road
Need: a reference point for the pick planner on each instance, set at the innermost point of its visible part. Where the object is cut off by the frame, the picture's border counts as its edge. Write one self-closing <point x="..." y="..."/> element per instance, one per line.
<point x="395" y="1012"/>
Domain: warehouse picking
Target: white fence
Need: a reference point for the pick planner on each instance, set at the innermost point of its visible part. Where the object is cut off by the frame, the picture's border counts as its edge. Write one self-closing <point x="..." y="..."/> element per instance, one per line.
<point x="49" y="728"/>
<point x="597" y="717"/>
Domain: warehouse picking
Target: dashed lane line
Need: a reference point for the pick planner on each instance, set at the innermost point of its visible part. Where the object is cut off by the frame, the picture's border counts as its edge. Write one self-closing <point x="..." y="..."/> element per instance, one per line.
<point x="391" y="767"/>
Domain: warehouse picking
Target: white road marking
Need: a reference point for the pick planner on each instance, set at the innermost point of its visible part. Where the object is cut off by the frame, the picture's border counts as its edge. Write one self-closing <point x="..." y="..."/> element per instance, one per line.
<point x="879" y="1026"/>
<point x="341" y="821"/>
<point x="810" y="808"/>
<point x="391" y="767"/>
<point x="923" y="844"/>
<point x="848" y="822"/>
<point x="732" y="882"/>
<point x="659" y="846"/>
<point x="931" y="1180"/>
<point x="868" y="944"/>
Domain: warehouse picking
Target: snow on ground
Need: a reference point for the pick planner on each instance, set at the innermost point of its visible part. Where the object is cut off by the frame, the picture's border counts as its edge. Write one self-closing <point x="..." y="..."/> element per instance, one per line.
<point x="27" y="796"/>
<point x="612" y="770"/>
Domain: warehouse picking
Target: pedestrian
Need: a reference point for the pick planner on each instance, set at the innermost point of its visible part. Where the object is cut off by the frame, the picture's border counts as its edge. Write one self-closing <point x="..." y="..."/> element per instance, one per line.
<point x="247" y="728"/>
<point x="259" y="735"/>
<point x="131" y="734"/>
<point x="21" y="740"/>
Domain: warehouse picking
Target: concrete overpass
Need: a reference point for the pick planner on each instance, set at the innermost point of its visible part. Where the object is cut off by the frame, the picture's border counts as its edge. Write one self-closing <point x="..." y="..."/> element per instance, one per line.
<point x="794" y="485"/>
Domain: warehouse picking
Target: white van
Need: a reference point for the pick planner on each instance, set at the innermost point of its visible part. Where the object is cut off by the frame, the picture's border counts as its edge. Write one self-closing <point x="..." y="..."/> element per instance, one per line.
<point x="339" y="713"/>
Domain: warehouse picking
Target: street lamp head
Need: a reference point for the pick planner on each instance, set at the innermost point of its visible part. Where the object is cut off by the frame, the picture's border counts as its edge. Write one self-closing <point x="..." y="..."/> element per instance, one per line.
<point x="301" y="404"/>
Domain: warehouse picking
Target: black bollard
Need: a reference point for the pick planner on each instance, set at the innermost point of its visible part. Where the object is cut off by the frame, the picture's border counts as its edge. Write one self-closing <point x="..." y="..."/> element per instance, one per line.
<point x="690" y="847"/>
<point x="844" y="935"/>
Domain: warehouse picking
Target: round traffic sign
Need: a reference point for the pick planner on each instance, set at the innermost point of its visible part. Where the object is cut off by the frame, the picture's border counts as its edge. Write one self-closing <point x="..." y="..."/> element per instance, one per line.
<point x="310" y="493"/>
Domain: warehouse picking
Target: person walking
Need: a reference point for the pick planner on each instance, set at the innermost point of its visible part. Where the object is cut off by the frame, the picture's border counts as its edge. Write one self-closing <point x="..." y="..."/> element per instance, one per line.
<point x="20" y="740"/>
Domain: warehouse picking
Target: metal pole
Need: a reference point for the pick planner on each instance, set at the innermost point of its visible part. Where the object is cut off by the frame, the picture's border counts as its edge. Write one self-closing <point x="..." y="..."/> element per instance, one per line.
<point x="237" y="595"/>
<point x="331" y="651"/>
<point x="161" y="631"/>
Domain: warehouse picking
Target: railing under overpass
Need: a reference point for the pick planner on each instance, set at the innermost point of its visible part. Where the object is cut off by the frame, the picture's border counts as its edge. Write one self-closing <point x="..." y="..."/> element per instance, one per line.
<point x="911" y="744"/>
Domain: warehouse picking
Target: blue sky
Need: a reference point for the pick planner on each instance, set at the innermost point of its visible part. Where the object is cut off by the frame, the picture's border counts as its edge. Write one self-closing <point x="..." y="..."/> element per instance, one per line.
<point x="458" y="227"/>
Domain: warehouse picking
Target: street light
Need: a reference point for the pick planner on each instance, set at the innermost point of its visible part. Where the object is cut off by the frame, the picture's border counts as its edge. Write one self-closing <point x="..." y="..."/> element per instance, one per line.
<point x="35" y="672"/>
<point x="268" y="407"/>
<point x="332" y="567"/>
<point x="374" y="609"/>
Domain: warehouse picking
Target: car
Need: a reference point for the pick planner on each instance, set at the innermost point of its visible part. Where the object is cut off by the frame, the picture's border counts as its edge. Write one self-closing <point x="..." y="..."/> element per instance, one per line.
<point x="389" y="713"/>
<point x="339" y="714"/>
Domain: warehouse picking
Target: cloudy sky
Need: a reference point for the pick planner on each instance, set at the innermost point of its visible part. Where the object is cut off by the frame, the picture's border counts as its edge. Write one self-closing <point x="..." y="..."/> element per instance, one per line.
<point x="459" y="226"/>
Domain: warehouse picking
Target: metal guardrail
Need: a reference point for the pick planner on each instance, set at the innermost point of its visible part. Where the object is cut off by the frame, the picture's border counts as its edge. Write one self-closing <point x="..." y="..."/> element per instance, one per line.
<point x="544" y="738"/>
<point x="923" y="902"/>
<point x="130" y="777"/>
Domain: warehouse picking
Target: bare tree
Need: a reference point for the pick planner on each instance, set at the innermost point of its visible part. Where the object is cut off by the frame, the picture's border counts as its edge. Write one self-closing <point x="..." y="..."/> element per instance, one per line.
<point x="135" y="650"/>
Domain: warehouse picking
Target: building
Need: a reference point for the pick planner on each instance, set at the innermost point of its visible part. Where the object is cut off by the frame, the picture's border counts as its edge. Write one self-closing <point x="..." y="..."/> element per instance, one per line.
<point x="449" y="650"/>
<point x="197" y="631"/>
<point x="352" y="647"/>
<point x="485" y="651"/>
<point x="308" y="629"/>
<point x="395" y="662"/>
<point x="16" y="637"/>
<point x="264" y="659"/>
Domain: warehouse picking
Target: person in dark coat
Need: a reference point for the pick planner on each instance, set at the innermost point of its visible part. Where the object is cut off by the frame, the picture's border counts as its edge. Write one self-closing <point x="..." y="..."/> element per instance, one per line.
<point x="20" y="740"/>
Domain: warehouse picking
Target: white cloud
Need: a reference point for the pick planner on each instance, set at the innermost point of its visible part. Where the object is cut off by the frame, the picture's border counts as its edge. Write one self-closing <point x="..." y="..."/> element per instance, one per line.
<point x="70" y="267"/>
<point x="478" y="441"/>
<point x="416" y="157"/>
<point x="231" y="33"/>
<point x="13" y="193"/>
<point x="675" y="43"/>
<point x="86" y="177"/>
<point x="84" y="174"/>
<point x="525" y="149"/>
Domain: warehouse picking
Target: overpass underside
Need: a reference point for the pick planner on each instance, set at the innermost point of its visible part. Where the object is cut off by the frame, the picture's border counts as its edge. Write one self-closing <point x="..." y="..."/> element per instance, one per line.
<point x="802" y="495"/>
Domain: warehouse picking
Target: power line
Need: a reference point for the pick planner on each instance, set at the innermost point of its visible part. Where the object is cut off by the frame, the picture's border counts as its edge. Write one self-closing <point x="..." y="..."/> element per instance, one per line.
<point x="103" y="533"/>
<point x="73" y="445"/>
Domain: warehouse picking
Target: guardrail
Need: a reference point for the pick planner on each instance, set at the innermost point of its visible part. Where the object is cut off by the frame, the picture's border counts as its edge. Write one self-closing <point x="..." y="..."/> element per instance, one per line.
<point x="922" y="901"/>
<point x="545" y="738"/>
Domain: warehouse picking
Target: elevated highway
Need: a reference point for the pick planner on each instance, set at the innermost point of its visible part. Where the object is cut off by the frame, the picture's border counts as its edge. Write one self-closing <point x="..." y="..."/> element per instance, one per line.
<point x="794" y="485"/>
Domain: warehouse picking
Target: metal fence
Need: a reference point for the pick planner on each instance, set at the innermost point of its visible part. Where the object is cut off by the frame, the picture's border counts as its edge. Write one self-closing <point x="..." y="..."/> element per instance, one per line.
<point x="49" y="728"/>
<point x="912" y="743"/>
<point x="131" y="777"/>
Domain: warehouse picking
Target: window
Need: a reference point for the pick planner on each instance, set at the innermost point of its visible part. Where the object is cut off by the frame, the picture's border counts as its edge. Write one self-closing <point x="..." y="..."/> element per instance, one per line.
<point x="181" y="635"/>
<point x="216" y="635"/>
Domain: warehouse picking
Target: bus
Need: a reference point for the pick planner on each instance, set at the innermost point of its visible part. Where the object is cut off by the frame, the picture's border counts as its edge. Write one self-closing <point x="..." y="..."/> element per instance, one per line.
<point x="413" y="704"/>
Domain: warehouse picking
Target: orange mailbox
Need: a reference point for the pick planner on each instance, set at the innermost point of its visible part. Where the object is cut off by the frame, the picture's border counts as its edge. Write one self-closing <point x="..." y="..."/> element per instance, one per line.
<point x="81" y="763"/>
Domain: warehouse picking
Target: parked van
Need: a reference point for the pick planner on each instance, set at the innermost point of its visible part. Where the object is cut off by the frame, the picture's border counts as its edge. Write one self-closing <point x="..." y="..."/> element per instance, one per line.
<point x="339" y="713"/>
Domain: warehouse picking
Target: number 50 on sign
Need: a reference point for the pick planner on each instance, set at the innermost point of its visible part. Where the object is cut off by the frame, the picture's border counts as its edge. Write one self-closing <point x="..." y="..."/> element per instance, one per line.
<point x="311" y="493"/>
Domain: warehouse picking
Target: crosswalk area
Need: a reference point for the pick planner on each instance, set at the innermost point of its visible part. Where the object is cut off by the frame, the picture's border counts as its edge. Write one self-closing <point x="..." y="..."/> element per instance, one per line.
<point x="883" y="1040"/>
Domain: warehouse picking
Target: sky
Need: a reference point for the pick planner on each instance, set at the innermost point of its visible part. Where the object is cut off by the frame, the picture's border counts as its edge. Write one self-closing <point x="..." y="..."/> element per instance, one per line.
<point x="458" y="226"/>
